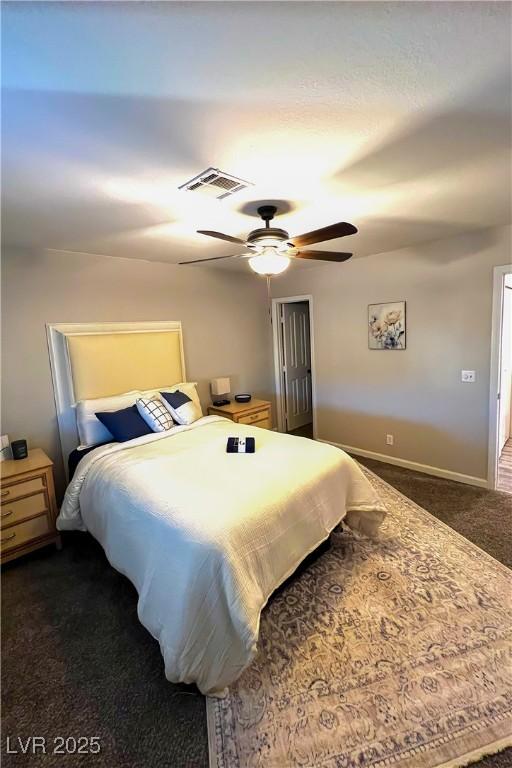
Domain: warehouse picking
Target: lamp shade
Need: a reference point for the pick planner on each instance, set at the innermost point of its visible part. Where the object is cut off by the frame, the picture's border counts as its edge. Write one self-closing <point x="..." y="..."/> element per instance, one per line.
<point x="220" y="386"/>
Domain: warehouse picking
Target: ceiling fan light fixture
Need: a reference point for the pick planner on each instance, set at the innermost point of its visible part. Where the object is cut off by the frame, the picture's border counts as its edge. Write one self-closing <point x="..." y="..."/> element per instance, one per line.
<point x="270" y="248"/>
<point x="270" y="242"/>
<point x="269" y="262"/>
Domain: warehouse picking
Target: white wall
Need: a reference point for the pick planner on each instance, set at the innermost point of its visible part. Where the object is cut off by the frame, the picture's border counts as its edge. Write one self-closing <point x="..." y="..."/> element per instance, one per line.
<point x="415" y="394"/>
<point x="224" y="317"/>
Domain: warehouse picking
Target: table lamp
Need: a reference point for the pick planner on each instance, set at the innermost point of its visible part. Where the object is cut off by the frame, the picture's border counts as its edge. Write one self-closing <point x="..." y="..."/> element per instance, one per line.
<point x="220" y="388"/>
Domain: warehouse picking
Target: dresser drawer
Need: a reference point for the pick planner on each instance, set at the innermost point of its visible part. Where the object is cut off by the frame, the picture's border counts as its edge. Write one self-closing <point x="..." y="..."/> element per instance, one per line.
<point x="264" y="424"/>
<point x="17" y="490"/>
<point x="14" y="511"/>
<point x="24" y="532"/>
<point x="252" y="418"/>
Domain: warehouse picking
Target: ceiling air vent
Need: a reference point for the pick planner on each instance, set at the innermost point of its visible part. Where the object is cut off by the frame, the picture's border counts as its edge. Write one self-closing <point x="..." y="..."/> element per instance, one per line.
<point x="216" y="183"/>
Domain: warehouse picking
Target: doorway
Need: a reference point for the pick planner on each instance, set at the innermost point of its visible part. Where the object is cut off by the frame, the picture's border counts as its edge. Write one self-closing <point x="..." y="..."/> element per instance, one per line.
<point x="292" y="319"/>
<point x="500" y="423"/>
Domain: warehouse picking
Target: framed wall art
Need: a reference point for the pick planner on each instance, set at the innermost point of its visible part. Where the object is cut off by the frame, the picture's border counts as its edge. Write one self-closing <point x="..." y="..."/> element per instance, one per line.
<point x="387" y="325"/>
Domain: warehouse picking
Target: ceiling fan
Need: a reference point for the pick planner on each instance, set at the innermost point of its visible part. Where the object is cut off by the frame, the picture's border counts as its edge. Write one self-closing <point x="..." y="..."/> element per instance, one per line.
<point x="271" y="248"/>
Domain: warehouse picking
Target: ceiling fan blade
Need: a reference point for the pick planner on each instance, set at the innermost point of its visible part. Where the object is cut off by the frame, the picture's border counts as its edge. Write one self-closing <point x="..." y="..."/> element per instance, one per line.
<point x="341" y="229"/>
<point x="322" y="255"/>
<point x="220" y="236"/>
<point x="213" y="258"/>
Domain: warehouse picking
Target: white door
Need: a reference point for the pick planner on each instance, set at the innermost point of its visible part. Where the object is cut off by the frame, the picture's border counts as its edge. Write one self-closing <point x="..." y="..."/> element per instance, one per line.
<point x="297" y="364"/>
<point x="506" y="370"/>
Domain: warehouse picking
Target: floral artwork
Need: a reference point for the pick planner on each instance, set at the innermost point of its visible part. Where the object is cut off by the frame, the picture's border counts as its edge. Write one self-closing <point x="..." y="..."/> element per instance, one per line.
<point x="386" y="325"/>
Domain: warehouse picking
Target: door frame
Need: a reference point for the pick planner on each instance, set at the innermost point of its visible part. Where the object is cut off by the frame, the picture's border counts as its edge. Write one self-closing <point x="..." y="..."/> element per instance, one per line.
<point x="278" y="357"/>
<point x="495" y="370"/>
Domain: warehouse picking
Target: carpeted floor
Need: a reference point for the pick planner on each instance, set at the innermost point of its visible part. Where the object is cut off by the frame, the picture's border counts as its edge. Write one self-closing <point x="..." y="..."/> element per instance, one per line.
<point x="484" y="517"/>
<point x="375" y="655"/>
<point x="76" y="661"/>
<point x="305" y="431"/>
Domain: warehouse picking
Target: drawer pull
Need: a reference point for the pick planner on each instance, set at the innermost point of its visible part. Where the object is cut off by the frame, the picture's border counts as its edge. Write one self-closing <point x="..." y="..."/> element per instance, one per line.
<point x="8" y="538"/>
<point x="8" y="513"/>
<point x="5" y="493"/>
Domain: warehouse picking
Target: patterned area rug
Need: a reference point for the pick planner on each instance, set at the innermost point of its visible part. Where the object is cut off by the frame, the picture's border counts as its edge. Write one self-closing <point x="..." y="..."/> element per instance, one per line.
<point x="391" y="653"/>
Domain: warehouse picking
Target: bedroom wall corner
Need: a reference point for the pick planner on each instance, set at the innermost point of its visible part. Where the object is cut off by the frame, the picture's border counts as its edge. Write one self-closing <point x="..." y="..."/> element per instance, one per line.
<point x="223" y="315"/>
<point x="415" y="394"/>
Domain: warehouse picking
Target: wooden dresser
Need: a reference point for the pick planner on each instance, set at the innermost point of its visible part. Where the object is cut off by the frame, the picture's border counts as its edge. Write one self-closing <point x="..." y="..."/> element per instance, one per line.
<point x="28" y="506"/>
<point x="255" y="412"/>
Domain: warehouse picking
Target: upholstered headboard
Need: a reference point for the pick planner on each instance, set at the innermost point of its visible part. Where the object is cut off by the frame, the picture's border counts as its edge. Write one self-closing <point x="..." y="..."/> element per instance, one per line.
<point x="92" y="360"/>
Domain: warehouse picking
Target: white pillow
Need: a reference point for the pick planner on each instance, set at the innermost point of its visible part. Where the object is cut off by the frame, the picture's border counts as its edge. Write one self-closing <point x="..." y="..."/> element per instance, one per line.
<point x="155" y="414"/>
<point x="90" y="429"/>
<point x="188" y="387"/>
<point x="181" y="407"/>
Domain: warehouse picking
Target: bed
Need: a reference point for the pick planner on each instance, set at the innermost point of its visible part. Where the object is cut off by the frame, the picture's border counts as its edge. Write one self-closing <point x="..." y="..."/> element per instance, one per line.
<point x="206" y="536"/>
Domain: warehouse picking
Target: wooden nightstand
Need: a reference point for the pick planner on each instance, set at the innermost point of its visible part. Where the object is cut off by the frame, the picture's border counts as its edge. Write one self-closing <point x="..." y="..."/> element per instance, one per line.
<point x="255" y="412"/>
<point x="28" y="509"/>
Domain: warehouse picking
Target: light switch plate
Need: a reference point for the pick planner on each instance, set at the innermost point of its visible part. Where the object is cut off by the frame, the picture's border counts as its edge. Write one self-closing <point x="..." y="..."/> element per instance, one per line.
<point x="468" y="377"/>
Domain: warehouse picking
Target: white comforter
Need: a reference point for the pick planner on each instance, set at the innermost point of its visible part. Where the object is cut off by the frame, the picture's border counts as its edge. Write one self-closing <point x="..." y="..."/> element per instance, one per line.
<point x="206" y="536"/>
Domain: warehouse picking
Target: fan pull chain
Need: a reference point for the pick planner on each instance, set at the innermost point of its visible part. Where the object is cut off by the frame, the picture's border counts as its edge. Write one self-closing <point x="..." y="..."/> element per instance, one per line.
<point x="269" y="299"/>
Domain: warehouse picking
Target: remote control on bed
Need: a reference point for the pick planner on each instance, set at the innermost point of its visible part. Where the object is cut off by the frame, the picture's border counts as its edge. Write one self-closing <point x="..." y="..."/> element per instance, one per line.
<point x="241" y="445"/>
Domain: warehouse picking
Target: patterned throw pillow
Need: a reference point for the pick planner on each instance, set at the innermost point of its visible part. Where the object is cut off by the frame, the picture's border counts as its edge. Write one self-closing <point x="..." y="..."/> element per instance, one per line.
<point x="182" y="408"/>
<point x="155" y="414"/>
<point x="186" y="387"/>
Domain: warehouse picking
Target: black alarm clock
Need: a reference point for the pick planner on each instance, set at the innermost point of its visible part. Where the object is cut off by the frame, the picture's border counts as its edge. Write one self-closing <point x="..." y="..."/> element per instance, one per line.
<point x="19" y="449"/>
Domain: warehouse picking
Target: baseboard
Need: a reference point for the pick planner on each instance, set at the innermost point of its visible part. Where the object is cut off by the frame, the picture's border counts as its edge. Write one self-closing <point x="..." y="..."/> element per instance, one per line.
<point x="446" y="474"/>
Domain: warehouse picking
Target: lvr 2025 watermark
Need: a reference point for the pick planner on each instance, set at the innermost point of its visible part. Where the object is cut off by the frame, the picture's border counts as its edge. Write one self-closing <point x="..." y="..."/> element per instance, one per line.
<point x="58" y="745"/>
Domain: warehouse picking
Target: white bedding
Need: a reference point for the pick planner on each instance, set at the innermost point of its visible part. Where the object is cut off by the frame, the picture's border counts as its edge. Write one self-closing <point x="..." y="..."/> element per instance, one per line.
<point x="206" y="536"/>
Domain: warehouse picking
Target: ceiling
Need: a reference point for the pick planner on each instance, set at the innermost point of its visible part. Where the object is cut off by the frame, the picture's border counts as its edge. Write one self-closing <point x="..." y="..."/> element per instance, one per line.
<point x="393" y="116"/>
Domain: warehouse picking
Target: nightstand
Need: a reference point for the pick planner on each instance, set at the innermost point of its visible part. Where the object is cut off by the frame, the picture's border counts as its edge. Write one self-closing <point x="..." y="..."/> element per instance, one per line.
<point x="255" y="412"/>
<point x="28" y="508"/>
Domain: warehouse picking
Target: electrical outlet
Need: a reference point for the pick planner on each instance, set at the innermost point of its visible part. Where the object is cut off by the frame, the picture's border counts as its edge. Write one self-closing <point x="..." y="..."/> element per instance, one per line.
<point x="389" y="439"/>
<point x="468" y="377"/>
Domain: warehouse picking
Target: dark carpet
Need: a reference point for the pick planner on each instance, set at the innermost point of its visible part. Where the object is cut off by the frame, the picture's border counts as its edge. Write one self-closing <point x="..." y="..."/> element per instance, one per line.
<point x="77" y="662"/>
<point x="305" y="431"/>
<point x="484" y="517"/>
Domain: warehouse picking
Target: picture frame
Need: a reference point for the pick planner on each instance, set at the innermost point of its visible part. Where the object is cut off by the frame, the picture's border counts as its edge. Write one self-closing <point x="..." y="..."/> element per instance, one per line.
<point x="5" y="448"/>
<point x="387" y="326"/>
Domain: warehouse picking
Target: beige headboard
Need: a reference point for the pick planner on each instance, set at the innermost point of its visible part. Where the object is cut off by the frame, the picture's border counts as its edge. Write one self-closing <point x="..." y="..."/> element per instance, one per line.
<point x="90" y="360"/>
<point x="111" y="363"/>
